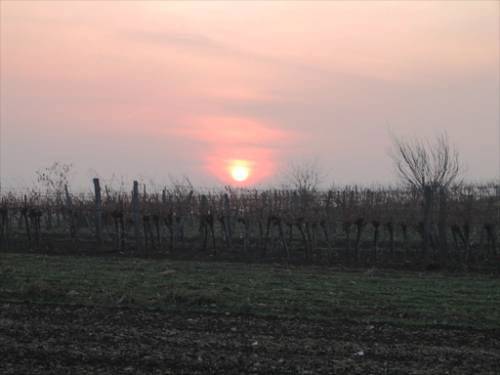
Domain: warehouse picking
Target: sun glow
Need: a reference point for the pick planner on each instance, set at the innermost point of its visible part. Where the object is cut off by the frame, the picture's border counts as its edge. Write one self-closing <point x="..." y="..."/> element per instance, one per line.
<point x="239" y="170"/>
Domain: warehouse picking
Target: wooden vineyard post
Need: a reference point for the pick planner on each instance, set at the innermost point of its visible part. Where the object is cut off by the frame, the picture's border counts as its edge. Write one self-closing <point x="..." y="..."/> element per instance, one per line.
<point x="69" y="207"/>
<point x="227" y="222"/>
<point x="167" y="217"/>
<point x="4" y="226"/>
<point x="203" y="213"/>
<point x="204" y="221"/>
<point x="26" y="221"/>
<point x="390" y="229"/>
<point x="49" y="216"/>
<point x="35" y="216"/>
<point x="135" y="215"/>
<point x="283" y="241"/>
<point x="98" y="211"/>
<point x="360" y="225"/>
<point x="376" y="227"/>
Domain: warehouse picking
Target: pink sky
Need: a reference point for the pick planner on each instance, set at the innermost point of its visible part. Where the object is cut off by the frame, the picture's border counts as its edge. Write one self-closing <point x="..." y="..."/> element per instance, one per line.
<point x="152" y="89"/>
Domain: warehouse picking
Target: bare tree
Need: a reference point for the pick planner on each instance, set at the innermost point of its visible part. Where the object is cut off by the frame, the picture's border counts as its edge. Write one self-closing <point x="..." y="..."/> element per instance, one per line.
<point x="430" y="168"/>
<point x="305" y="177"/>
<point x="422" y="164"/>
<point x="54" y="178"/>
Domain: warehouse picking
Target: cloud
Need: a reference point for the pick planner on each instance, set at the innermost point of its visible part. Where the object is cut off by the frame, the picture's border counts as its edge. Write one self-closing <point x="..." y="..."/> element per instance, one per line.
<point x="178" y="39"/>
<point x="234" y="131"/>
<point x="203" y="44"/>
<point x="229" y="138"/>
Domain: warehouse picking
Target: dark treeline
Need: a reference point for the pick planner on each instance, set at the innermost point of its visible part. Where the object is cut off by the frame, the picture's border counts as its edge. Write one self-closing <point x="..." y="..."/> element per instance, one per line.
<point x="348" y="225"/>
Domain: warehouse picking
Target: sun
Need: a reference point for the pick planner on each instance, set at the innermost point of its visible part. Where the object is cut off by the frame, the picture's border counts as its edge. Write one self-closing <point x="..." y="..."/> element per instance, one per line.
<point x="239" y="170"/>
<point x="240" y="173"/>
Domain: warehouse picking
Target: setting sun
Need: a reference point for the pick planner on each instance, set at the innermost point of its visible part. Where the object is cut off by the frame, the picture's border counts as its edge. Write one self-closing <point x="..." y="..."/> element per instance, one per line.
<point x="239" y="170"/>
<point x="239" y="173"/>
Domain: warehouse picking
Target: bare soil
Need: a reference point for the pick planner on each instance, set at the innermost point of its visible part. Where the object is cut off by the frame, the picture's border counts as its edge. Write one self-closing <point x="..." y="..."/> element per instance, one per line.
<point x="76" y="339"/>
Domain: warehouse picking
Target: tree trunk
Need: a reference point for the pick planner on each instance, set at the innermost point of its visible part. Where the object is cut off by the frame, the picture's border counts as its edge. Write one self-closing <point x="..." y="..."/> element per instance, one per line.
<point x="442" y="223"/>
<point x="427" y="220"/>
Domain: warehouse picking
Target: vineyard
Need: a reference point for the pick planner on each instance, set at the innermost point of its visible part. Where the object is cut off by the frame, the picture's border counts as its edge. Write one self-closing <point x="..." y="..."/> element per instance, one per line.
<point x="348" y="225"/>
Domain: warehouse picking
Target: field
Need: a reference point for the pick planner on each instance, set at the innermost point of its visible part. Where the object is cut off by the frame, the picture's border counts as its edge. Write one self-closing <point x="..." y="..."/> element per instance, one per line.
<point x="111" y="315"/>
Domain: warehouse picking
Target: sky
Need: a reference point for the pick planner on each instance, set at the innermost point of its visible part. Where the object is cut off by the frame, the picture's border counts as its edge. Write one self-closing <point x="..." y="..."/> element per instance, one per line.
<point x="156" y="90"/>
